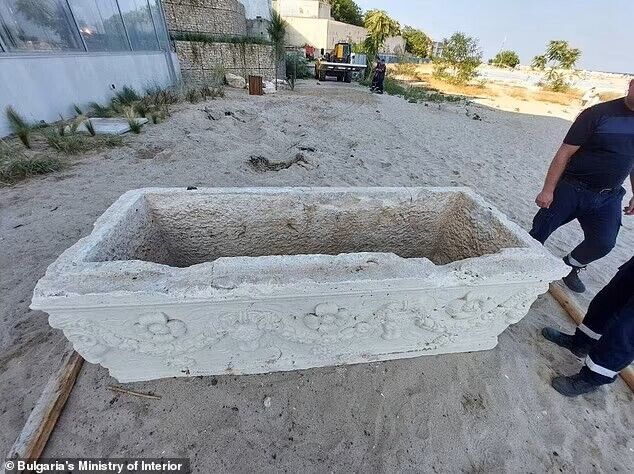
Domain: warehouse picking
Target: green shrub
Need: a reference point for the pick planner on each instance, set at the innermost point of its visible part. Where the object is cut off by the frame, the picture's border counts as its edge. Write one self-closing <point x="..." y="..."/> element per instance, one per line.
<point x="130" y="115"/>
<point x="207" y="92"/>
<point x="19" y="126"/>
<point x="157" y="115"/>
<point x="416" y="94"/>
<point x="405" y="69"/>
<point x="216" y="77"/>
<point x="558" y="61"/>
<point x="192" y="96"/>
<point x="69" y="143"/>
<point x="90" y="127"/>
<point x="98" y="110"/>
<point x="209" y="38"/>
<point x="15" y="166"/>
<point x="72" y="143"/>
<point x="459" y="60"/>
<point x="125" y="97"/>
<point x="556" y="81"/>
<point x="506" y="58"/>
<point x="297" y="66"/>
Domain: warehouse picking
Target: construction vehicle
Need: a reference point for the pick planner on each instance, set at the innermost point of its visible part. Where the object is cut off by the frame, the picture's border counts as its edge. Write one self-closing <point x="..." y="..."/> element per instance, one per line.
<point x="337" y="63"/>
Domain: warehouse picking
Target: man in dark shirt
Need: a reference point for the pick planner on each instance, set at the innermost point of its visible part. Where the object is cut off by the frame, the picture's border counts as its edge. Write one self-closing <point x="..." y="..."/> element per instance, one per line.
<point x="585" y="182"/>
<point x="379" y="76"/>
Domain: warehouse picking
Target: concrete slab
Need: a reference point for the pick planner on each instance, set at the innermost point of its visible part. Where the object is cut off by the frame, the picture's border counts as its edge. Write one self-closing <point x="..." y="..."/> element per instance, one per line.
<point x="110" y="126"/>
<point x="253" y="280"/>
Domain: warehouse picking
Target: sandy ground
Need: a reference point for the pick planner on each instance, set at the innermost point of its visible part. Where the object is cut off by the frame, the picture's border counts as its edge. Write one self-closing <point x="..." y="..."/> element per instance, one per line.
<point x="505" y="84"/>
<point x="482" y="412"/>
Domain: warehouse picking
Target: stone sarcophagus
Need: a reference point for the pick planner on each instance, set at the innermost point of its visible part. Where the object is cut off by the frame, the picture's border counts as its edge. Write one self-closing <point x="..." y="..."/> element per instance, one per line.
<point x="175" y="282"/>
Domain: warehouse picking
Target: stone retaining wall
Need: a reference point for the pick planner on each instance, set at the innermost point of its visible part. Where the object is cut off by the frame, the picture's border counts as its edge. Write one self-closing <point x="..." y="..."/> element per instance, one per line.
<point x="197" y="60"/>
<point x="218" y="17"/>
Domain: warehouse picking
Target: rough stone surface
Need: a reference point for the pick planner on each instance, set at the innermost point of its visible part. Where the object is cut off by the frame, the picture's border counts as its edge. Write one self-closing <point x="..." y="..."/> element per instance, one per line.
<point x="236" y="81"/>
<point x="238" y="281"/>
<point x="199" y="60"/>
<point x="217" y="18"/>
<point x="206" y="16"/>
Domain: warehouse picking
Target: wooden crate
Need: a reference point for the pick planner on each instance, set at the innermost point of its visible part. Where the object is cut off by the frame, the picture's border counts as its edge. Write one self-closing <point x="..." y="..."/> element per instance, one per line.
<point x="255" y="85"/>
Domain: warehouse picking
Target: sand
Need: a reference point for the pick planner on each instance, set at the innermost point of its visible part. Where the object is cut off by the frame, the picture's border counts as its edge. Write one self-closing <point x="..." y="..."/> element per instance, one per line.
<point x="518" y="90"/>
<point x="492" y="411"/>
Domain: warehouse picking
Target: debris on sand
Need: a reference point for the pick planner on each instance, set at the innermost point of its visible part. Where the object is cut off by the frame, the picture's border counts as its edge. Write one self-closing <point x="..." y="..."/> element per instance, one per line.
<point x="209" y="114"/>
<point x="263" y="164"/>
<point x="228" y="113"/>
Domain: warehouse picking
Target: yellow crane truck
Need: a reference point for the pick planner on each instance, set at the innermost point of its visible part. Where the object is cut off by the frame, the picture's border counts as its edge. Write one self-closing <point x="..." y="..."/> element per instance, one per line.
<point x="337" y="63"/>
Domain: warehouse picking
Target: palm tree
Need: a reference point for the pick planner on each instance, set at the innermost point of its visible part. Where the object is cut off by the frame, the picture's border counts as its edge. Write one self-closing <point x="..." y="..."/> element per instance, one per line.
<point x="380" y="27"/>
<point x="277" y="33"/>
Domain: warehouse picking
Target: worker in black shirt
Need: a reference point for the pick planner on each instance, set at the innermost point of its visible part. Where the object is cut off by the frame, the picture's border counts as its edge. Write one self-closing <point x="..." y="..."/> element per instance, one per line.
<point x="585" y="182"/>
<point x="379" y="76"/>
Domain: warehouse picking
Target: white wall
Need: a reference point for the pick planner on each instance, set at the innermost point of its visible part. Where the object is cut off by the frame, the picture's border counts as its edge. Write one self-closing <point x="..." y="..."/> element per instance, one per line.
<point x="321" y="33"/>
<point x="311" y="31"/>
<point x="42" y="86"/>
<point x="394" y="45"/>
<point x="339" y="32"/>
<point x="257" y="8"/>
<point x="302" y="8"/>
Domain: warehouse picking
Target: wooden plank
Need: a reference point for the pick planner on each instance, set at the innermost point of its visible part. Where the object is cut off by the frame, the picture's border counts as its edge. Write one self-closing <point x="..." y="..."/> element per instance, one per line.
<point x="577" y="314"/>
<point x="569" y="304"/>
<point x="39" y="426"/>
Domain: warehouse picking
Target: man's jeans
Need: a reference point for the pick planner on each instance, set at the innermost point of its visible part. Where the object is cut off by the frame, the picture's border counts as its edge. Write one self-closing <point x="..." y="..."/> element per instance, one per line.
<point x="598" y="213"/>
<point x="608" y="328"/>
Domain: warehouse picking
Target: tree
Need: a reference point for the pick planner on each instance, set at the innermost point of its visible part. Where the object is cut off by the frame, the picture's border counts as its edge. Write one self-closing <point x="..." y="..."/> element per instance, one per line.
<point x="277" y="34"/>
<point x="347" y="11"/>
<point x="380" y="27"/>
<point x="557" y="61"/>
<point x="539" y="62"/>
<point x="459" y="60"/>
<point x="506" y="58"/>
<point x="416" y="42"/>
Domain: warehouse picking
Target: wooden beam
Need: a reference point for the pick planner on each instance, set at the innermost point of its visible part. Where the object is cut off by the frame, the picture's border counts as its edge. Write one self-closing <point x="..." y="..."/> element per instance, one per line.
<point x="577" y="314"/>
<point x="41" y="421"/>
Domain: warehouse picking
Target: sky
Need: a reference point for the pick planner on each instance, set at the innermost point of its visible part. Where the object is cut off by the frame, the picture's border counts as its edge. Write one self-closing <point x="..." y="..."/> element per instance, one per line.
<point x="602" y="29"/>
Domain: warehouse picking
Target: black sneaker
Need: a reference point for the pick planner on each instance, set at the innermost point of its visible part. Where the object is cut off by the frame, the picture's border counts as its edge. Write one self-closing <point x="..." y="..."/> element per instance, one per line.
<point x="565" y="340"/>
<point x="573" y="386"/>
<point x="572" y="280"/>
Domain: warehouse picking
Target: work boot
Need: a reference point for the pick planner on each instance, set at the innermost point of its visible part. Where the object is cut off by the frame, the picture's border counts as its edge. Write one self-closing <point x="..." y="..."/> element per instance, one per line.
<point x="572" y="280"/>
<point x="567" y="341"/>
<point x="573" y="386"/>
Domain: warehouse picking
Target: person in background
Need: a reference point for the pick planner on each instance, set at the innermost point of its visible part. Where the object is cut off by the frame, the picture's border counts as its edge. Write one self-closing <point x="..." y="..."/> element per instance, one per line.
<point x="379" y="76"/>
<point x="585" y="182"/>
<point x="605" y="338"/>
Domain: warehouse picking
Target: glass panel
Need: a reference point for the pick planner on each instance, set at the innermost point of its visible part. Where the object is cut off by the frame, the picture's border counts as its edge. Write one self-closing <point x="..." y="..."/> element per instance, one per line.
<point x="159" y="23"/>
<point x="100" y="24"/>
<point x="138" y="22"/>
<point x="38" y="25"/>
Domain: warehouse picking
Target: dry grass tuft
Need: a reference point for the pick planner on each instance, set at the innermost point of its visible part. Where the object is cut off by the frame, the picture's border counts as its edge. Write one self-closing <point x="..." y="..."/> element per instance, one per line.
<point x="606" y="96"/>
<point x="15" y="165"/>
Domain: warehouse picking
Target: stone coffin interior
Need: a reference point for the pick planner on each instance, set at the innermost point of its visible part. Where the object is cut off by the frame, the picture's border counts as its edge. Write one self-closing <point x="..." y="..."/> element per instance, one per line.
<point x="189" y="228"/>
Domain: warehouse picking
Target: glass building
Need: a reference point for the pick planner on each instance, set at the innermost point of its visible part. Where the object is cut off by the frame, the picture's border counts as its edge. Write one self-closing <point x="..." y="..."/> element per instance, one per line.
<point x="56" y="53"/>
<point x="81" y="26"/>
